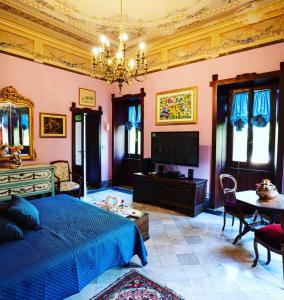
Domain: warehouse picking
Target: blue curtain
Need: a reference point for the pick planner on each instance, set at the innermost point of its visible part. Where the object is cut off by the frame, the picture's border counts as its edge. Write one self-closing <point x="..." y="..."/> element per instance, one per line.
<point x="5" y="120"/>
<point x="261" y="108"/>
<point x="138" y="118"/>
<point x="25" y="121"/>
<point x="131" y="117"/>
<point x="239" y="114"/>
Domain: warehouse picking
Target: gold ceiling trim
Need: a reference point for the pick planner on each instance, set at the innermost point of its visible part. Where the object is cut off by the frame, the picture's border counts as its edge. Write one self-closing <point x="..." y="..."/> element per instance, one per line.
<point x="264" y="25"/>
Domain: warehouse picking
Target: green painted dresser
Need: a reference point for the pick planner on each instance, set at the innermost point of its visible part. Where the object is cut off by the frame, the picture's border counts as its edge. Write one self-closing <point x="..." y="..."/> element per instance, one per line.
<point x="28" y="180"/>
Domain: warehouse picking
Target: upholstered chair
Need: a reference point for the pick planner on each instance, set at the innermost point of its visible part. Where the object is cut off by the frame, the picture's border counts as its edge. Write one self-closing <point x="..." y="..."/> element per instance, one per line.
<point x="272" y="238"/>
<point x="63" y="182"/>
<point x="229" y="187"/>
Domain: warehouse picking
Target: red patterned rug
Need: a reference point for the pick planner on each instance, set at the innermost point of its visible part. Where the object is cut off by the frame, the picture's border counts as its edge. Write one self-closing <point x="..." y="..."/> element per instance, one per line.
<point x="135" y="286"/>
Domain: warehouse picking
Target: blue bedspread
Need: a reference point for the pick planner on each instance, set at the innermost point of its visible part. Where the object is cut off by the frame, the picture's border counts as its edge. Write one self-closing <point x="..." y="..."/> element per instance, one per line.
<point x="77" y="243"/>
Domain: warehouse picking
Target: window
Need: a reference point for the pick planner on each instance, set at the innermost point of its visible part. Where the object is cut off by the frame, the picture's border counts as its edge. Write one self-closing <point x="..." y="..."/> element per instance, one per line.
<point x="133" y="131"/>
<point x="251" y="132"/>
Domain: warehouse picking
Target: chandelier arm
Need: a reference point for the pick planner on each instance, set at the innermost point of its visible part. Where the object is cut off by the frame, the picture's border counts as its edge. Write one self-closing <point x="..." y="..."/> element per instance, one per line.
<point x="144" y="78"/>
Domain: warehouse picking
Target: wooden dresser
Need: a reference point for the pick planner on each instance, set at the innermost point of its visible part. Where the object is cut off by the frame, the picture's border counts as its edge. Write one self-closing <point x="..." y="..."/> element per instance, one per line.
<point x="27" y="180"/>
<point x="186" y="196"/>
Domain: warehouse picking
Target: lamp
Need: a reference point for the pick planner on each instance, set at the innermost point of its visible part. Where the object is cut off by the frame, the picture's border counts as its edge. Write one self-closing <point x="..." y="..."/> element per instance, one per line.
<point x="119" y="68"/>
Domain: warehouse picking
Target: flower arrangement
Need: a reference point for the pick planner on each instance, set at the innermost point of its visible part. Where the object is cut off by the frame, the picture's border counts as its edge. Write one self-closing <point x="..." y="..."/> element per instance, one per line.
<point x="266" y="189"/>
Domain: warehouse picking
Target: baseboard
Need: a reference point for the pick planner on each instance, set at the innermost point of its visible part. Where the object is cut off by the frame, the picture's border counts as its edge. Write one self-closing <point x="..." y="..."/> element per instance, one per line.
<point x="106" y="184"/>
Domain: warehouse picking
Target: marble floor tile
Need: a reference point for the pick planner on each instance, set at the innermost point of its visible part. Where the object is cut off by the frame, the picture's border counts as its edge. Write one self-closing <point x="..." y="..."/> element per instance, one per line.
<point x="188" y="259"/>
<point x="196" y="259"/>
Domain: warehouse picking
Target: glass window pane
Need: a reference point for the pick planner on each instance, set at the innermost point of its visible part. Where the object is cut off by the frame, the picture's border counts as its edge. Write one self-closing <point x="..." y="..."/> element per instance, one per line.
<point x="78" y="143"/>
<point x="131" y="140"/>
<point x="240" y="144"/>
<point x="260" y="147"/>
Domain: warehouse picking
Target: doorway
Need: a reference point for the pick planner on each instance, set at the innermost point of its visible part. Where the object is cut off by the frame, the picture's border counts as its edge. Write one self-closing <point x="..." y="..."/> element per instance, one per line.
<point x="246" y="140"/>
<point x="127" y="135"/>
<point x="86" y="146"/>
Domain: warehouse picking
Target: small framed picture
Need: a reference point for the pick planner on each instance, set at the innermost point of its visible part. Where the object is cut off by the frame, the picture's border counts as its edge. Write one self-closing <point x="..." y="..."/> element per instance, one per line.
<point x="87" y="97"/>
<point x="176" y="106"/>
<point x="52" y="125"/>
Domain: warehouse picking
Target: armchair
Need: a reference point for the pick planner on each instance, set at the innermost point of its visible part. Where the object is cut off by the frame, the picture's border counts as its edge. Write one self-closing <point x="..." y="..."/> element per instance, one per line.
<point x="63" y="182"/>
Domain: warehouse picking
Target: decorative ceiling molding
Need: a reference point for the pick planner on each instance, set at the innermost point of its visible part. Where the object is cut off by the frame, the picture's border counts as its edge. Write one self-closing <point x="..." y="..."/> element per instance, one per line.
<point x="47" y="38"/>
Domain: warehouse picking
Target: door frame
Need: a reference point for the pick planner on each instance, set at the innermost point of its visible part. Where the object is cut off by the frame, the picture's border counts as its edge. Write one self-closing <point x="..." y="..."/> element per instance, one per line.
<point x="75" y="110"/>
<point x="217" y="162"/>
<point x="124" y="99"/>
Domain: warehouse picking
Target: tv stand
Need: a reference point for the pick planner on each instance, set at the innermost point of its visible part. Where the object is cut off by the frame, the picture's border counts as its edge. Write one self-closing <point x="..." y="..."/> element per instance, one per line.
<point x="184" y="195"/>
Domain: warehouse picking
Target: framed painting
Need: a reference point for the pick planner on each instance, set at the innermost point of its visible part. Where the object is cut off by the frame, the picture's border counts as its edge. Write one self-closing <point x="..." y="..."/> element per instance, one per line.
<point x="52" y="125"/>
<point x="176" y="106"/>
<point x="87" y="97"/>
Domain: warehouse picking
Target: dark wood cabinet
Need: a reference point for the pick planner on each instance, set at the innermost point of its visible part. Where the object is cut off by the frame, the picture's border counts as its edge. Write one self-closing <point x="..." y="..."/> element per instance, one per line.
<point x="183" y="195"/>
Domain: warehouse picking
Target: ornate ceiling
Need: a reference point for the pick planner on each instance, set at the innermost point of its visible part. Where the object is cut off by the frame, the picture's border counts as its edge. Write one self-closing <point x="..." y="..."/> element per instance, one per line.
<point x="62" y="32"/>
<point x="146" y="20"/>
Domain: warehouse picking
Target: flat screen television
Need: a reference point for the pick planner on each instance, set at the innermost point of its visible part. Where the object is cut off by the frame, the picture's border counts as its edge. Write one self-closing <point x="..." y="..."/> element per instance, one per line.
<point x="179" y="148"/>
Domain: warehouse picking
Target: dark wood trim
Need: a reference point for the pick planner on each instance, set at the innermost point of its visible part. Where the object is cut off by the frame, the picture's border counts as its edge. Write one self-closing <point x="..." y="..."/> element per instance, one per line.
<point x="213" y="84"/>
<point x="76" y="110"/>
<point x="125" y="99"/>
<point x="243" y="78"/>
<point x="216" y="166"/>
<point x="280" y="150"/>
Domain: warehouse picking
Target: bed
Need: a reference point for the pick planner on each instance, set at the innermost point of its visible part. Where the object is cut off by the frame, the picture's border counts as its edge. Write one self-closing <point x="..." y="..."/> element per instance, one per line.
<point x="77" y="242"/>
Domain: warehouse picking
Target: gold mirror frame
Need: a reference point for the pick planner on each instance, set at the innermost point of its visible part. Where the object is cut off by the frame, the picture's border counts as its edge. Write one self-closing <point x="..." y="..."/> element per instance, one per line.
<point x="10" y="94"/>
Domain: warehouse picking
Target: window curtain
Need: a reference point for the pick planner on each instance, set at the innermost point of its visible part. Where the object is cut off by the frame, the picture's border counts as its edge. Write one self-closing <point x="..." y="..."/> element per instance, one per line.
<point x="239" y="114"/>
<point x="138" y="118"/>
<point x="25" y="121"/>
<point x="131" y="118"/>
<point x="261" y="108"/>
<point x="5" y="119"/>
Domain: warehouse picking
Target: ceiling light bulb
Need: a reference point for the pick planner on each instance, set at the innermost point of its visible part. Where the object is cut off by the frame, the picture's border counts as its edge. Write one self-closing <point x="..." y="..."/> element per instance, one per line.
<point x="95" y="51"/>
<point x="104" y="39"/>
<point x="131" y="64"/>
<point x="123" y="37"/>
<point x="119" y="55"/>
<point x="142" y="46"/>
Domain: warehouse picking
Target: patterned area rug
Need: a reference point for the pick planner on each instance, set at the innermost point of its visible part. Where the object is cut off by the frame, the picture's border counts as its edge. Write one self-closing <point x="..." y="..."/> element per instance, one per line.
<point x="135" y="286"/>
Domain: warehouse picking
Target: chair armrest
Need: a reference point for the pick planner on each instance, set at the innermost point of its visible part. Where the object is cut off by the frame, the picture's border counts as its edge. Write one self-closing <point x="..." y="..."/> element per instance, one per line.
<point x="77" y="176"/>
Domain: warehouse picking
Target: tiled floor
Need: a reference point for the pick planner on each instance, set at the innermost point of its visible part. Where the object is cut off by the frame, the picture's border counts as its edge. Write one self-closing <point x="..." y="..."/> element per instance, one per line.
<point x="193" y="257"/>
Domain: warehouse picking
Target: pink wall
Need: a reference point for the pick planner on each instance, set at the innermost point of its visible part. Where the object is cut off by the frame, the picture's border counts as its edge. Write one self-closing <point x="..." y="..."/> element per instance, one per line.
<point x="52" y="90"/>
<point x="200" y="74"/>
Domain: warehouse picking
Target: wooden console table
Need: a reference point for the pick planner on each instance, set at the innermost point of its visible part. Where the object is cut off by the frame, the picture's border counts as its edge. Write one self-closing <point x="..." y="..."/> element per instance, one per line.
<point x="186" y="196"/>
<point x="27" y="180"/>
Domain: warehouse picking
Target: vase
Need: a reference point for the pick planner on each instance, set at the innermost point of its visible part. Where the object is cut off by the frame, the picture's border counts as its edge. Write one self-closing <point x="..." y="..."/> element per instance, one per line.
<point x="267" y="194"/>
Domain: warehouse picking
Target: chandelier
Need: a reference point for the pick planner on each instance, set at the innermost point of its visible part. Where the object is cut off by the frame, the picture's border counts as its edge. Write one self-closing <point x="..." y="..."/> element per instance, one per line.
<point x="119" y="68"/>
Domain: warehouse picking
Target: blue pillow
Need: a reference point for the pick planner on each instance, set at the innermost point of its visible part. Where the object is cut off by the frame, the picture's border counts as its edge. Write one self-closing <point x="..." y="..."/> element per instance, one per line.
<point x="9" y="231"/>
<point x="23" y="213"/>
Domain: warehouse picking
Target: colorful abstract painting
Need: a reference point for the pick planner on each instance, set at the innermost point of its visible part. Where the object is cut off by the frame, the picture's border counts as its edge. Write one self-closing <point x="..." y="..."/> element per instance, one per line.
<point x="176" y="106"/>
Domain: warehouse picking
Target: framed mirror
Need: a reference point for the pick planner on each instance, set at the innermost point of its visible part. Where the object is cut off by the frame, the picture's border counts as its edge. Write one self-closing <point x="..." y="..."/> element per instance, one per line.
<point x="16" y="123"/>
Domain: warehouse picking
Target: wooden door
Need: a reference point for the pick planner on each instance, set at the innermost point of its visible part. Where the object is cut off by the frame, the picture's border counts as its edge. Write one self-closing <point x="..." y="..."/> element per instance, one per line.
<point x="86" y="145"/>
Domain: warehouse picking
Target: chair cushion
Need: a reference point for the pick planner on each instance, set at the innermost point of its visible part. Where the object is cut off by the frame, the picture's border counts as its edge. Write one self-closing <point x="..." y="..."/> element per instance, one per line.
<point x="61" y="170"/>
<point x="68" y="186"/>
<point x="9" y="231"/>
<point x="23" y="213"/>
<point x="272" y="235"/>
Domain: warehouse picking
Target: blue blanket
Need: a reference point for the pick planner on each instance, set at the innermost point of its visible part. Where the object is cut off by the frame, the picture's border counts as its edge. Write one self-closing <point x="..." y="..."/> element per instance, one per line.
<point x="77" y="242"/>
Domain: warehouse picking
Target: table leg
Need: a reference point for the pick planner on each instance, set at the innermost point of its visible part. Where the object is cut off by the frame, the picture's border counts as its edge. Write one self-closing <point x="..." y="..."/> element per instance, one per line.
<point x="247" y="228"/>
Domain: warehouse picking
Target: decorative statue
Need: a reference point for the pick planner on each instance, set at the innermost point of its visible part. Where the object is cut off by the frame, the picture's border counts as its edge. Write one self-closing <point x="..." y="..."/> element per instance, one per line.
<point x="14" y="158"/>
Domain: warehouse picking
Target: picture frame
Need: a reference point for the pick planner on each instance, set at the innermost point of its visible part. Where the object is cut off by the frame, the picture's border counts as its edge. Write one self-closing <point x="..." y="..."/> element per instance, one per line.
<point x="52" y="125"/>
<point x="87" y="97"/>
<point x="177" y="106"/>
